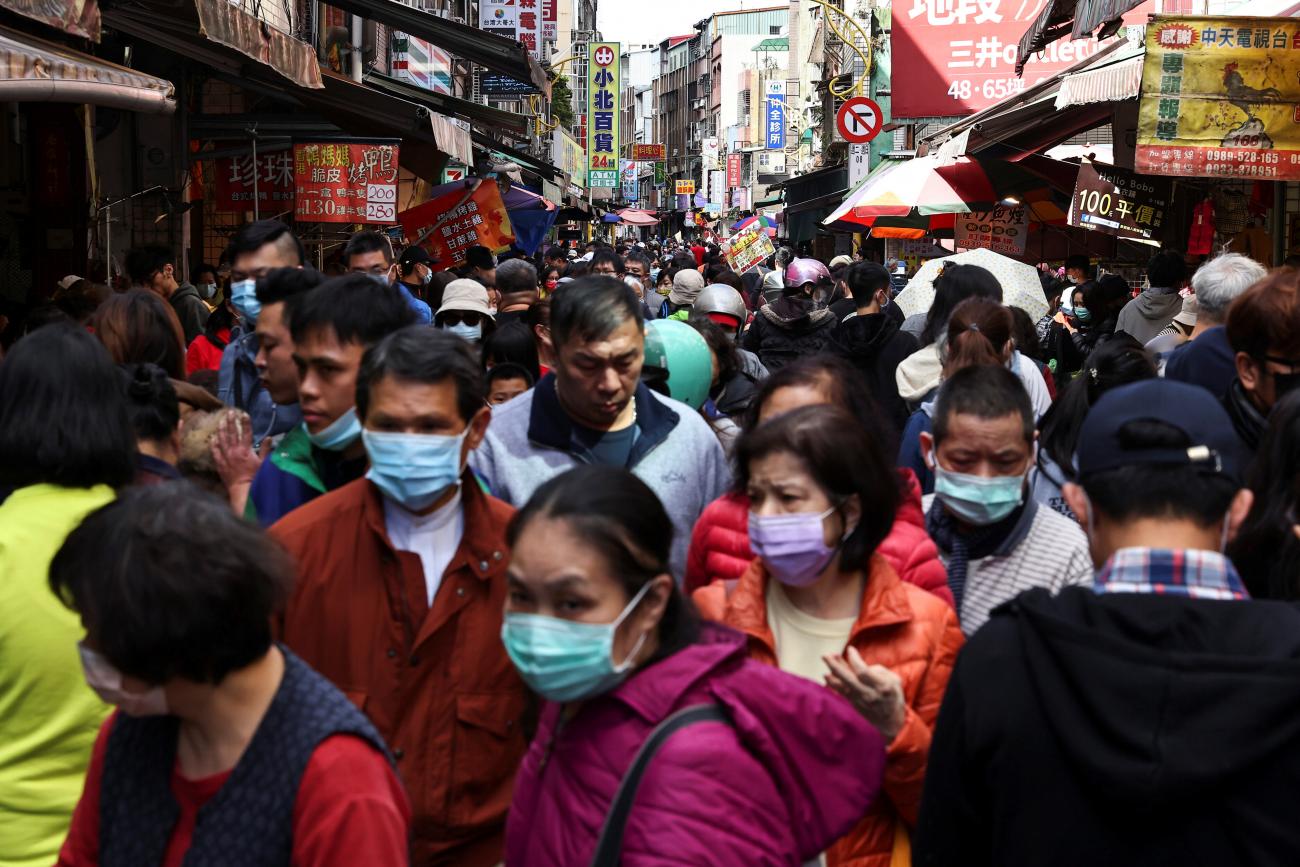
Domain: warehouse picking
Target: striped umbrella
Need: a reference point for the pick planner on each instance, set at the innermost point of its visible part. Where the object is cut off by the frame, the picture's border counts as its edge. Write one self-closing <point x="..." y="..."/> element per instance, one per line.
<point x="766" y="223"/>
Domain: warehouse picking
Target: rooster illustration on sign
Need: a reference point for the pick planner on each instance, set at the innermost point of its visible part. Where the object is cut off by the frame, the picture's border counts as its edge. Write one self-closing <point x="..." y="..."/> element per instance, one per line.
<point x="1242" y="95"/>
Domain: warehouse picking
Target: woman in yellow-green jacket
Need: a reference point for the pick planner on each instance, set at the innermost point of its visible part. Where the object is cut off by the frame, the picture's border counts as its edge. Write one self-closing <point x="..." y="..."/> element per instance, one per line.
<point x="65" y="445"/>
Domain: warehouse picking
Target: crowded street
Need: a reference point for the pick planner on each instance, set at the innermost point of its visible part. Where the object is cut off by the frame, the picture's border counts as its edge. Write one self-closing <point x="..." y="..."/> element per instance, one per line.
<point x="557" y="433"/>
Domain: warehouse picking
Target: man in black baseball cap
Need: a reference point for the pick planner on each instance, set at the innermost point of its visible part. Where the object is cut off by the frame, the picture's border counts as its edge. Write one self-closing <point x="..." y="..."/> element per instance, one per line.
<point x="1151" y="718"/>
<point x="415" y="272"/>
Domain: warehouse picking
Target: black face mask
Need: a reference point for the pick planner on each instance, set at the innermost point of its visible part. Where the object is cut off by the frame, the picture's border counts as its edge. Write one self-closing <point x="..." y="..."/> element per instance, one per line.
<point x="1284" y="384"/>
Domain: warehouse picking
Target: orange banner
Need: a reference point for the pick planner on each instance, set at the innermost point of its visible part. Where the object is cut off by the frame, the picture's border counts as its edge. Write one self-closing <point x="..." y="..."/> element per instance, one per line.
<point x="452" y="223"/>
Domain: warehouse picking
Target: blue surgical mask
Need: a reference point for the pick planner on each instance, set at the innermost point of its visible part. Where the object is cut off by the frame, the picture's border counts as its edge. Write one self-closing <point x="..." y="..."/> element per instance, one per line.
<point x="1083" y="314"/>
<point x="472" y="333"/>
<point x="978" y="500"/>
<point x="427" y="278"/>
<point x="207" y="291"/>
<point x="338" y="434"/>
<point x="243" y="295"/>
<point x="414" y="470"/>
<point x="563" y="660"/>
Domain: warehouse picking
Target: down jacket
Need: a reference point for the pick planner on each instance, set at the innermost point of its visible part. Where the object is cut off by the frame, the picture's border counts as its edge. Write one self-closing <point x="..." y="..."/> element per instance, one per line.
<point x="720" y="544"/>
<point x="795" y="769"/>
<point x="786" y="330"/>
<point x="899" y="626"/>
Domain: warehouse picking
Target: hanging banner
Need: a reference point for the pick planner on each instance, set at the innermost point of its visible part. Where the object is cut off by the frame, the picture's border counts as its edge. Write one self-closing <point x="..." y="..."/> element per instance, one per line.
<point x="550" y="30"/>
<point x="956" y="58"/>
<point x="774" y="111"/>
<point x="733" y="171"/>
<point x="1220" y="98"/>
<point x="661" y="176"/>
<point x="74" y="17"/>
<point x="452" y="223"/>
<point x="709" y="152"/>
<point x="235" y="176"/>
<point x="631" y="181"/>
<point x="1119" y="202"/>
<point x="747" y="249"/>
<point x="603" y="99"/>
<point x="647" y="153"/>
<point x="345" y="182"/>
<point x="530" y="27"/>
<point x="569" y="156"/>
<point x="1003" y="230"/>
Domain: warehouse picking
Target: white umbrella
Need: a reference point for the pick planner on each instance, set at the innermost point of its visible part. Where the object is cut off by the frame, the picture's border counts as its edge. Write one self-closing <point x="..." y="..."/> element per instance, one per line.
<point x="1019" y="281"/>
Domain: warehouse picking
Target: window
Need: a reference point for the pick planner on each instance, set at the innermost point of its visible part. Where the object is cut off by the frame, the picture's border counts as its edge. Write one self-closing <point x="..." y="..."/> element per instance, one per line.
<point x="742" y="115"/>
<point x="774" y="30"/>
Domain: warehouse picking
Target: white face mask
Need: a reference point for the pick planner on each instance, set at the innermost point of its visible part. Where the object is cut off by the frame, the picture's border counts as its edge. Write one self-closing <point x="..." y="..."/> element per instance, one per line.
<point x="106" y="681"/>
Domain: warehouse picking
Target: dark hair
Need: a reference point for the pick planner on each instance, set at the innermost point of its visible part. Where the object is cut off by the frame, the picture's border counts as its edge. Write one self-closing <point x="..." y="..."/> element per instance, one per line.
<point x="63" y="419"/>
<point x="1266" y="551"/>
<point x="512" y="343"/>
<point x="592" y="307"/>
<point x="842" y="458"/>
<point x="1265" y="319"/>
<point x="1167" y="269"/>
<point x="1025" y="334"/>
<point x="281" y="284"/>
<point x="1079" y="261"/>
<point x="667" y="272"/>
<point x="198" y="270"/>
<point x="622" y="520"/>
<point x="1105" y="298"/>
<point x="576" y="269"/>
<point x="417" y="353"/>
<point x="723" y="349"/>
<point x="169" y="583"/>
<point x="80" y="300"/>
<point x="605" y="256"/>
<point x="257" y="235"/>
<point x="978" y="331"/>
<point x="985" y="391"/>
<point x="356" y="308"/>
<point x="479" y="257"/>
<point x="864" y="280"/>
<point x="1119" y="361"/>
<point x="151" y="401"/>
<point x="1159" y="490"/>
<point x="638" y="256"/>
<point x="142" y="262"/>
<point x="509" y="370"/>
<point x="139" y="327"/>
<point x="368" y="242"/>
<point x="684" y="259"/>
<point x="727" y="277"/>
<point x="954" y="285"/>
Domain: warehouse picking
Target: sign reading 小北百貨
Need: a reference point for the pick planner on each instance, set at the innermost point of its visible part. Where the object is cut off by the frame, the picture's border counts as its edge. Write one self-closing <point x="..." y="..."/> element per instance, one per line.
<point x="603" y="114"/>
<point x="1002" y="229"/>
<point x="1220" y="98"/>
<point x="345" y="182"/>
<point x="1119" y="202"/>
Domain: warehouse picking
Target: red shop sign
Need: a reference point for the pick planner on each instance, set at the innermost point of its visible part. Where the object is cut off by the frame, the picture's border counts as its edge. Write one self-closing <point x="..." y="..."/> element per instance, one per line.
<point x="345" y="182"/>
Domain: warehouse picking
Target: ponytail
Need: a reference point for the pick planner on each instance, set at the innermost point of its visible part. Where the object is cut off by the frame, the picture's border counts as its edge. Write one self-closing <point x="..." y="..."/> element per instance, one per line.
<point x="977" y="332"/>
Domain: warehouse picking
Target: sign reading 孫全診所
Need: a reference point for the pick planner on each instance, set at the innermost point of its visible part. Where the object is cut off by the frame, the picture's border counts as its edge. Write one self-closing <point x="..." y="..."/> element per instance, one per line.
<point x="603" y="114"/>
<point x="1002" y="229"/>
<point x="1119" y="202"/>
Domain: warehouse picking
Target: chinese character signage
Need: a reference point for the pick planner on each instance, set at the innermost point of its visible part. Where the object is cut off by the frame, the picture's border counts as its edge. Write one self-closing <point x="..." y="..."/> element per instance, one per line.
<point x="1220" y="98"/>
<point x="603" y="115"/>
<point x="661" y="176"/>
<point x="345" y="182"/>
<point x="955" y="57"/>
<point x="747" y="248"/>
<point x="1002" y="229"/>
<point x="529" y="31"/>
<point x="647" y="153"/>
<point x="685" y="188"/>
<point x="569" y="156"/>
<point x="500" y="17"/>
<point x="774" y="115"/>
<point x="733" y="170"/>
<point x="709" y="152"/>
<point x="550" y="30"/>
<point x="235" y="177"/>
<point x="452" y="223"/>
<point x="631" y="183"/>
<point x="1119" y="202"/>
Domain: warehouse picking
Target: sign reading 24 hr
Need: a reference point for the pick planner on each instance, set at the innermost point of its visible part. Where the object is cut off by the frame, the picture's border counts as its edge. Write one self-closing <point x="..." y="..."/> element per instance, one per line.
<point x="603" y="83"/>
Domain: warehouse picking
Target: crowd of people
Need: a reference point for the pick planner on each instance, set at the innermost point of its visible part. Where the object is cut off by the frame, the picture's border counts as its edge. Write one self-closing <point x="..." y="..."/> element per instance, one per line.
<point x="613" y="555"/>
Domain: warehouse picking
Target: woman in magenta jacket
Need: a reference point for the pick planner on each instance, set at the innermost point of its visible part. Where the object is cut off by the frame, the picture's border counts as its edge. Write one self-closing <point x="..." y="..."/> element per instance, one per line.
<point x="720" y="541"/>
<point x="596" y="625"/>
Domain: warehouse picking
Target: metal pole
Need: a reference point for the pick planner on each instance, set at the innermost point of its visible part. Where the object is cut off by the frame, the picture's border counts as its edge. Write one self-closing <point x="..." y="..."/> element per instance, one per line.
<point x="108" y="247"/>
<point x="257" y="210"/>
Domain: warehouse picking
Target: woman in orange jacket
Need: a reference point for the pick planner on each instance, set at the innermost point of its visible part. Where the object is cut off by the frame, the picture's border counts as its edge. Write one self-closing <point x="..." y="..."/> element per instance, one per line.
<point x="820" y="602"/>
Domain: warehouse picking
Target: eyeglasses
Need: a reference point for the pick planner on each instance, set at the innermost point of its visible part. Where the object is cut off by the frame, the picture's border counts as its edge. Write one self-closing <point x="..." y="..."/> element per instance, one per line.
<point x="1289" y="363"/>
<point x="456" y="317"/>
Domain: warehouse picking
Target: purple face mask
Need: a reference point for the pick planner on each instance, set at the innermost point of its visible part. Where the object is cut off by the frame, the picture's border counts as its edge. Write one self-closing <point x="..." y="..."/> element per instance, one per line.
<point x="793" y="547"/>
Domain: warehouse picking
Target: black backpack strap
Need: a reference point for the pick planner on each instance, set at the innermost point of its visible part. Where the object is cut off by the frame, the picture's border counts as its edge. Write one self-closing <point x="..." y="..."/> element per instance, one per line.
<point x="609" y="847"/>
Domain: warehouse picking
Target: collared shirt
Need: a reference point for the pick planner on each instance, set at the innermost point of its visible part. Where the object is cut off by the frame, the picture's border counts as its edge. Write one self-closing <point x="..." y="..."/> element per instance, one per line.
<point x="1181" y="572"/>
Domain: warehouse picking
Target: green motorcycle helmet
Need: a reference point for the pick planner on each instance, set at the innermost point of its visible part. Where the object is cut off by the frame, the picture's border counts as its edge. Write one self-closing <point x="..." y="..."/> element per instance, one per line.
<point x="678" y="361"/>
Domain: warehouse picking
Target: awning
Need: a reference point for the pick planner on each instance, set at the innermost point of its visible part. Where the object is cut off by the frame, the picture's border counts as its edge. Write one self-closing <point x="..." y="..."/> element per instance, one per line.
<point x="217" y="27"/>
<point x="362" y="108"/>
<point x="33" y="70"/>
<point x="444" y="104"/>
<point x="74" y="17"/>
<point x="1121" y="78"/>
<point x="539" y="167"/>
<point x="497" y="53"/>
<point x="1079" y="18"/>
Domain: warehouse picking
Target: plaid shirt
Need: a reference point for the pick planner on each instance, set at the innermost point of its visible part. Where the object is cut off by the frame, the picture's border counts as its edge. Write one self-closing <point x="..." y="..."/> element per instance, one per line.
<point x="1197" y="574"/>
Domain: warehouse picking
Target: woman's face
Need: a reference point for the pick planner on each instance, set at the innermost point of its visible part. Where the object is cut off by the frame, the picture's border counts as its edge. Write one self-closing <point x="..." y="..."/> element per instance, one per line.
<point x="780" y="484"/>
<point x="791" y="397"/>
<point x="556" y="573"/>
<point x="665" y="281"/>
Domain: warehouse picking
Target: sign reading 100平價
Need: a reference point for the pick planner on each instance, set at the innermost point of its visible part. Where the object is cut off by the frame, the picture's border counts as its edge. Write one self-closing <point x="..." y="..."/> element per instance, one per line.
<point x="345" y="181"/>
<point x="602" y="114"/>
<point x="1119" y="202"/>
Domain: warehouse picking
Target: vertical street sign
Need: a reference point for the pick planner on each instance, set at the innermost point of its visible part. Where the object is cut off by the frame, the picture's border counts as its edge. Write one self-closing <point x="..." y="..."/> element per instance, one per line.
<point x="774" y="113"/>
<point x="602" y="114"/>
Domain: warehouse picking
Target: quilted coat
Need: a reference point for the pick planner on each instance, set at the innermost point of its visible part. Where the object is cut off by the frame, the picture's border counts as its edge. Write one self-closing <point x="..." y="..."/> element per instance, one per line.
<point x="899" y="626"/>
<point x="796" y="769"/>
<point x="720" y="543"/>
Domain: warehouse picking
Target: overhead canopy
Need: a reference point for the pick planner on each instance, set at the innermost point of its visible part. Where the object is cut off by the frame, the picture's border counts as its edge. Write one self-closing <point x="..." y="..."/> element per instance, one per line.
<point x="33" y="70"/>
<point x="1079" y="18"/>
<point x="497" y="53"/>
<point x="636" y="217"/>
<point x="444" y="104"/>
<point x="539" y="167"/>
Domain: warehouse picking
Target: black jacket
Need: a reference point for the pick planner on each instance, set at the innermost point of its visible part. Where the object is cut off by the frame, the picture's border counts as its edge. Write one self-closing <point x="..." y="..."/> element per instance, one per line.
<point x="875" y="346"/>
<point x="190" y="310"/>
<point x="788" y="329"/>
<point x="1123" y="729"/>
